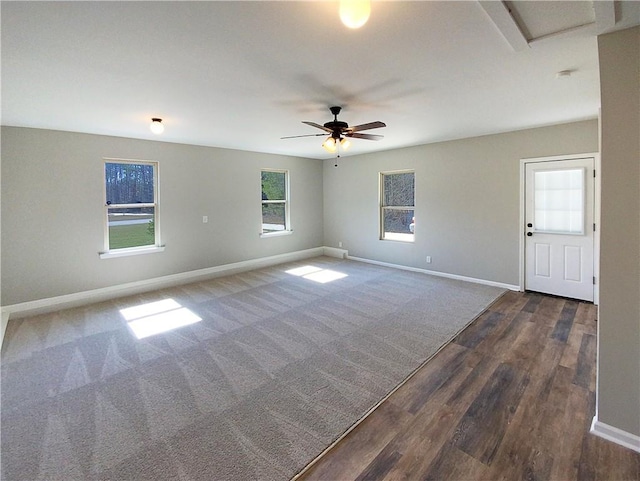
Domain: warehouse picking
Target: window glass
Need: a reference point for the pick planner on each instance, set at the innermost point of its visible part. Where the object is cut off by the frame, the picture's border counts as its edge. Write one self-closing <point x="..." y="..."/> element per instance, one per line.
<point x="131" y="206"/>
<point x="398" y="221"/>
<point x="399" y="189"/>
<point x="559" y="201"/>
<point x="273" y="218"/>
<point x="275" y="201"/>
<point x="131" y="227"/>
<point x="129" y="183"/>
<point x="397" y="210"/>
<point x="273" y="185"/>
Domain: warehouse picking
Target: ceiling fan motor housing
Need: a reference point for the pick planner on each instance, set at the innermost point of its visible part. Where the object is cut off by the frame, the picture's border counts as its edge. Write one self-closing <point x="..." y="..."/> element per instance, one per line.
<point x="336" y="126"/>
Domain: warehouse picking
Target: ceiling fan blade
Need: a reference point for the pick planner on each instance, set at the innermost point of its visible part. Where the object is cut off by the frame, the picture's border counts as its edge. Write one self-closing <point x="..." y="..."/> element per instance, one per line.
<point x="317" y="126"/>
<point x="370" y="125"/>
<point x="307" y="135"/>
<point x="364" y="136"/>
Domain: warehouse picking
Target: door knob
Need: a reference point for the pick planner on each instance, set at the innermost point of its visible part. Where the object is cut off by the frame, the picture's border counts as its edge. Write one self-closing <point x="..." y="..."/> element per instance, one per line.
<point x="529" y="234"/>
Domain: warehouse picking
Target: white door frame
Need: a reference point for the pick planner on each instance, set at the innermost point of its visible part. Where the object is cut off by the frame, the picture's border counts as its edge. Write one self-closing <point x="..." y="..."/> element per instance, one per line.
<point x="596" y="215"/>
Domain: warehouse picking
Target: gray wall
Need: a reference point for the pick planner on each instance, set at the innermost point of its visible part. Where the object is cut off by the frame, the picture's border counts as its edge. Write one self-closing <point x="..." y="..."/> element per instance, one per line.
<point x="467" y="200"/>
<point x="619" y="315"/>
<point x="52" y="210"/>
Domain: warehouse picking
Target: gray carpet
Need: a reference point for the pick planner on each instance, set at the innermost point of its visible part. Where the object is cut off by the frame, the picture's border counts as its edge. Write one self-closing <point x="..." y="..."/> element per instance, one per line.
<point x="278" y="367"/>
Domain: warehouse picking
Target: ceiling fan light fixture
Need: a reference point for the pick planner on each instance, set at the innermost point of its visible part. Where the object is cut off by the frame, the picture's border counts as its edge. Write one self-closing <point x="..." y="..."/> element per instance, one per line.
<point x="345" y="143"/>
<point x="355" y="13"/>
<point x="156" y="126"/>
<point x="329" y="145"/>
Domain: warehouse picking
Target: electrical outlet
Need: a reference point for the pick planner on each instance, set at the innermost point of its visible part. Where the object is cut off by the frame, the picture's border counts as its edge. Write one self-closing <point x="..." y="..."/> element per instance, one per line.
<point x="428" y="259"/>
<point x="340" y="244"/>
<point x="205" y="219"/>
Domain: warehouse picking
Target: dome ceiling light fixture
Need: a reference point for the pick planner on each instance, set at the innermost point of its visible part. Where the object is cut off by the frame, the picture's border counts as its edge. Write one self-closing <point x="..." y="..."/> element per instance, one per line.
<point x="355" y="13"/>
<point x="157" y="127"/>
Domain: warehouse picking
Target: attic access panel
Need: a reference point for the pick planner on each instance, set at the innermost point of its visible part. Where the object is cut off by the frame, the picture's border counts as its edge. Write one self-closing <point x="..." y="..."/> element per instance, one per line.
<point x="539" y="19"/>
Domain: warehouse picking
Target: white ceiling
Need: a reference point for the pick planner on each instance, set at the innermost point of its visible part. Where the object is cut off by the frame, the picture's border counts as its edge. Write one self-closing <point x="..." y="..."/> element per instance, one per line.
<point x="243" y="74"/>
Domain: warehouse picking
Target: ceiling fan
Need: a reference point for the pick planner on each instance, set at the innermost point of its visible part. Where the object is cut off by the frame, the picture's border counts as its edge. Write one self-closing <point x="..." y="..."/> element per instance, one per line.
<point x="340" y="132"/>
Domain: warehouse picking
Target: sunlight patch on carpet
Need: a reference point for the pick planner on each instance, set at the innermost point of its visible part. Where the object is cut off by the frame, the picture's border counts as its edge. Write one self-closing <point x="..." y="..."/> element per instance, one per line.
<point x="317" y="274"/>
<point x="157" y="317"/>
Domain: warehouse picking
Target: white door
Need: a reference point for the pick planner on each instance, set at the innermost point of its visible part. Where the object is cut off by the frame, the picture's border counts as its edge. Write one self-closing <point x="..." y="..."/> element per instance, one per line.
<point x="559" y="205"/>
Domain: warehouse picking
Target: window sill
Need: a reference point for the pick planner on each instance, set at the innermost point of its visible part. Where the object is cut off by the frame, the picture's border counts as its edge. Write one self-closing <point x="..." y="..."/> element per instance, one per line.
<point x="133" y="251"/>
<point x="276" y="234"/>
<point x="398" y="237"/>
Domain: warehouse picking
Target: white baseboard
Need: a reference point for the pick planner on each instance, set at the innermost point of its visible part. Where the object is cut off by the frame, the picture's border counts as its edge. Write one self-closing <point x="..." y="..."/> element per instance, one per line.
<point x="511" y="287"/>
<point x="335" y="252"/>
<point x="3" y="325"/>
<point x="615" y="435"/>
<point x="42" y="306"/>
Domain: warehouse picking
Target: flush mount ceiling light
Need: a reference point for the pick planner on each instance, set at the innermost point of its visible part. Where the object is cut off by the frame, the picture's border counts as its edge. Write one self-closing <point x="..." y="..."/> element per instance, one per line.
<point x="355" y="13"/>
<point x="156" y="126"/>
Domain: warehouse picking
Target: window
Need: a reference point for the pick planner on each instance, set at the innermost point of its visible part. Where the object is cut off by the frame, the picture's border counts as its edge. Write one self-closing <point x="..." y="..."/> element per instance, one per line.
<point x="397" y="204"/>
<point x="275" y="202"/>
<point x="131" y="206"/>
<point x="559" y="201"/>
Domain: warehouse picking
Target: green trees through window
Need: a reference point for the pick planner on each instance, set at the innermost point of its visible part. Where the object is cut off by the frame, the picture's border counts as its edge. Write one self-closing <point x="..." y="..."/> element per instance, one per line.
<point x="130" y="203"/>
<point x="274" y="201"/>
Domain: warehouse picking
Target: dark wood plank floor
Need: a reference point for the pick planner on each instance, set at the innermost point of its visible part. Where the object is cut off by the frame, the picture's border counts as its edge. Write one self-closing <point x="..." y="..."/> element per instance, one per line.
<point x="511" y="398"/>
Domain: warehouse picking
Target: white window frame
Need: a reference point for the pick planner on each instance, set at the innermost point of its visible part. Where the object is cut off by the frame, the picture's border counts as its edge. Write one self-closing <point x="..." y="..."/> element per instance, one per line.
<point x="287" y="205"/>
<point x="399" y="237"/>
<point x="129" y="251"/>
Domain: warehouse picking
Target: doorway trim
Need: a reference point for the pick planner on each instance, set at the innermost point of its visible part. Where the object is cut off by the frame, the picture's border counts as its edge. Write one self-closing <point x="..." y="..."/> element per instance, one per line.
<point x="596" y="215"/>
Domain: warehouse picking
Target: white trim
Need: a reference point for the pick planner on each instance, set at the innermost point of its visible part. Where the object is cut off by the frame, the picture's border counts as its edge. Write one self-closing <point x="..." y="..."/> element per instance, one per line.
<point x="605" y="13"/>
<point x="52" y="304"/>
<point x="3" y="325"/>
<point x="132" y="251"/>
<point x="615" y="435"/>
<point x="596" y="215"/>
<point x="511" y="287"/>
<point x="42" y="306"/>
<point x="275" y="233"/>
<point x="335" y="252"/>
<point x="399" y="237"/>
<point x="586" y="30"/>
<point x="505" y="23"/>
<point x="521" y="226"/>
<point x="596" y="235"/>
